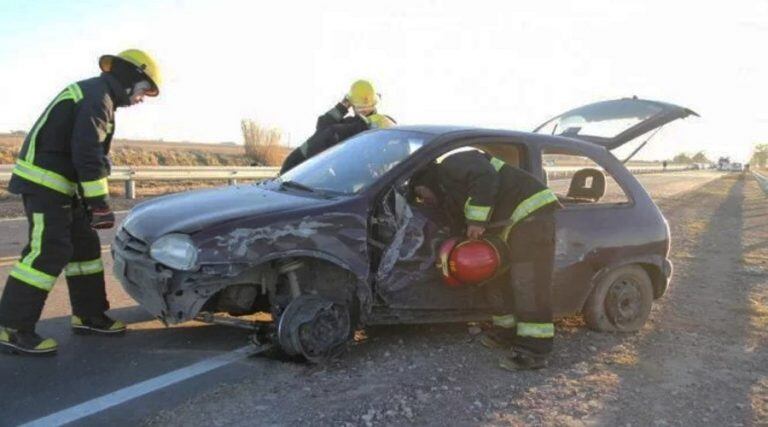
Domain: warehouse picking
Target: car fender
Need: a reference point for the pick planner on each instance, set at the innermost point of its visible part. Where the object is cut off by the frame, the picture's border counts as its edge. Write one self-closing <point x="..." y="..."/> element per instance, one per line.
<point x="363" y="288"/>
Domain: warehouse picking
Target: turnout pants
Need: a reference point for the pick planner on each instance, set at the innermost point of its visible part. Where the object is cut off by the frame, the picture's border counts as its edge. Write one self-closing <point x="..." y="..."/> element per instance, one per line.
<point x="60" y="239"/>
<point x="532" y="253"/>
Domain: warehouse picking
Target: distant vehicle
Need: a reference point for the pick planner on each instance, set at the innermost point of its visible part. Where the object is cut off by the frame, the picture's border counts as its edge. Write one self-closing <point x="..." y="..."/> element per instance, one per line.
<point x="724" y="163"/>
<point x="340" y="242"/>
<point x="736" y="167"/>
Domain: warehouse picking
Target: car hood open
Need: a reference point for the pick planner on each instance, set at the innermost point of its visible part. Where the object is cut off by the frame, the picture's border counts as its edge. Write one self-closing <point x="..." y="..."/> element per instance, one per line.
<point x="195" y="210"/>
<point x="614" y="123"/>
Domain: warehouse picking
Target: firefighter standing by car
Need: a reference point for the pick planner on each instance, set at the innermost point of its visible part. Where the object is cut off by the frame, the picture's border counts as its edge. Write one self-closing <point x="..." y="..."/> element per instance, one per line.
<point x="337" y="124"/>
<point x="61" y="174"/>
<point x="486" y="193"/>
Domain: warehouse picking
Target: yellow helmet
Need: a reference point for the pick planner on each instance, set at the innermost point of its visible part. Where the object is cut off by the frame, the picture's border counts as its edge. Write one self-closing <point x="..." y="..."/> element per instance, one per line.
<point x="380" y="121"/>
<point x="142" y="60"/>
<point x="362" y="95"/>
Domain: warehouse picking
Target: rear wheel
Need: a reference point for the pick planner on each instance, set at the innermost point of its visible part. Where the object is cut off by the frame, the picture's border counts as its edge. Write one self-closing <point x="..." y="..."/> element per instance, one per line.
<point x="621" y="301"/>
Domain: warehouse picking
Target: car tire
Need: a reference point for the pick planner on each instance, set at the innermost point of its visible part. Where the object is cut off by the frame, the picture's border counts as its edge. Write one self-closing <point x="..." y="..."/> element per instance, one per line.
<point x="621" y="301"/>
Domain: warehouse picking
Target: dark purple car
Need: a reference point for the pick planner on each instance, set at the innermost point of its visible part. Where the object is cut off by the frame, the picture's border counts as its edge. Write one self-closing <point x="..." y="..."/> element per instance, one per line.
<point x="339" y="242"/>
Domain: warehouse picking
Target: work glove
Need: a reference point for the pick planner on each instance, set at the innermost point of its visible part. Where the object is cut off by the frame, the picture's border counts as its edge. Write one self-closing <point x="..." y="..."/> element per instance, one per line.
<point x="102" y="217"/>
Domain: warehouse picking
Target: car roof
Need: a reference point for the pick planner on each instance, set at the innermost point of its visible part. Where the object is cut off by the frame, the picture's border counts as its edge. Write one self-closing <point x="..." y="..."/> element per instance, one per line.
<point x="477" y="132"/>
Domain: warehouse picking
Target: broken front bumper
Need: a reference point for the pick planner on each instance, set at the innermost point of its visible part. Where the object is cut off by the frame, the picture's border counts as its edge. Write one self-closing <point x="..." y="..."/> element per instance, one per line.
<point x="143" y="279"/>
<point x="170" y="295"/>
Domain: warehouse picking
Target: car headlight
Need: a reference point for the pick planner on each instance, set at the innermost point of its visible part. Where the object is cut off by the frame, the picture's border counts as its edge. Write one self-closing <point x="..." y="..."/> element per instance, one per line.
<point x="176" y="251"/>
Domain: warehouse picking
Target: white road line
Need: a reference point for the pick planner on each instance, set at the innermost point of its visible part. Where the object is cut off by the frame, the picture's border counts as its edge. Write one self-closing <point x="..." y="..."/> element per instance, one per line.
<point x="126" y="394"/>
<point x="23" y="218"/>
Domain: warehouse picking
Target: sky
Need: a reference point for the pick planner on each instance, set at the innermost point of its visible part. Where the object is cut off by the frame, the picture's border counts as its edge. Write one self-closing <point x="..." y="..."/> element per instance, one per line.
<point x="499" y="64"/>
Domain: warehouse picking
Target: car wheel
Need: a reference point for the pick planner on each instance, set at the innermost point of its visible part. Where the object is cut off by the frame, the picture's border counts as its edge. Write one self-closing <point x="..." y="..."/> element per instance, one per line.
<point x="621" y="301"/>
<point x="314" y="327"/>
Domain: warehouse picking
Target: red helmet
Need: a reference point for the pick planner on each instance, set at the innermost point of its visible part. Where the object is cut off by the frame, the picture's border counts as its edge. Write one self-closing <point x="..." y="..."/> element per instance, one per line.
<point x="469" y="262"/>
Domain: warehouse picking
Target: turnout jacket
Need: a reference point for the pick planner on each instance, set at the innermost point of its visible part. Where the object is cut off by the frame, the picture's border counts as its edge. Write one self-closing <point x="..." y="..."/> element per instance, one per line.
<point x="332" y="128"/>
<point x="65" y="152"/>
<point x="483" y="189"/>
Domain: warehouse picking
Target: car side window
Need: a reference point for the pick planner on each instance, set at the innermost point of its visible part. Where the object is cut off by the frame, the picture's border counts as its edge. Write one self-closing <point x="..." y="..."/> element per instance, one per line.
<point x="577" y="180"/>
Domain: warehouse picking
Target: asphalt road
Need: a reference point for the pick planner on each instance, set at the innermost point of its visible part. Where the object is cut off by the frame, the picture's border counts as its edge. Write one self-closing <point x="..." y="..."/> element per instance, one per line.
<point x="87" y="367"/>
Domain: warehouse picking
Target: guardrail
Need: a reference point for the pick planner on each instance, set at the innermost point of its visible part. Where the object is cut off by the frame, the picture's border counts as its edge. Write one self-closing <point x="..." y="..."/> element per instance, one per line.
<point x="762" y="181"/>
<point x="130" y="175"/>
<point x="562" y="172"/>
<point x="232" y="174"/>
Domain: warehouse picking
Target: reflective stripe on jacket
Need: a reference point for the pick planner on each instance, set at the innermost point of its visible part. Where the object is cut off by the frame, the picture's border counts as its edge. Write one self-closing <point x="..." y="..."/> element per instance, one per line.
<point x="66" y="150"/>
<point x="486" y="189"/>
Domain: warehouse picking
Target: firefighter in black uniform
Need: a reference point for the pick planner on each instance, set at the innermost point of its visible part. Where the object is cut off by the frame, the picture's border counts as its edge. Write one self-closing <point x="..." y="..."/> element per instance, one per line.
<point x="61" y="174"/>
<point x="336" y="125"/>
<point x="488" y="194"/>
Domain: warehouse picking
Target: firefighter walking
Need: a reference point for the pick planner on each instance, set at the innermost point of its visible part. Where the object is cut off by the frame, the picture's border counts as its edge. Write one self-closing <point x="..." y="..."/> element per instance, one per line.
<point x="485" y="193"/>
<point x="61" y="174"/>
<point x="338" y="124"/>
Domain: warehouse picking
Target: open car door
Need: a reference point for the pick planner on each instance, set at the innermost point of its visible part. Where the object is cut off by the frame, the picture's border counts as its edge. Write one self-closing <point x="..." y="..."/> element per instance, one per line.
<point x="614" y="123"/>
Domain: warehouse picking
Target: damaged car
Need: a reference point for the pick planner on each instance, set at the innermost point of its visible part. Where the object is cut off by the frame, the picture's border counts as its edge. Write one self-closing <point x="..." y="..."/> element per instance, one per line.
<point x="339" y="242"/>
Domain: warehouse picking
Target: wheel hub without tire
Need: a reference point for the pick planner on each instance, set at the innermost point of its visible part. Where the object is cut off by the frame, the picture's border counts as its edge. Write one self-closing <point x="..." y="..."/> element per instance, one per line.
<point x="314" y="327"/>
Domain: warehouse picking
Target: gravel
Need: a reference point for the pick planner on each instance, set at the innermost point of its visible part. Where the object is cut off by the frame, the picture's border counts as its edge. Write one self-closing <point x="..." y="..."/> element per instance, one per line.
<point x="700" y="360"/>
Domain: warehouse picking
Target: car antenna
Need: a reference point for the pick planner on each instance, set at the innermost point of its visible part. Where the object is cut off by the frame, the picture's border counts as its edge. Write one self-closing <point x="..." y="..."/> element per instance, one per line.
<point x="640" y="147"/>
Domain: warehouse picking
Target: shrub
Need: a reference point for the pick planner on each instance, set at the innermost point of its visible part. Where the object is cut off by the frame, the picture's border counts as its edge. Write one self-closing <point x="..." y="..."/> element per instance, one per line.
<point x="263" y="145"/>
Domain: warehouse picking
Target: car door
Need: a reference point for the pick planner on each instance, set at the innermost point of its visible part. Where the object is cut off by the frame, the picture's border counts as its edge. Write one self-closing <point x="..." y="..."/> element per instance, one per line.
<point x="409" y="235"/>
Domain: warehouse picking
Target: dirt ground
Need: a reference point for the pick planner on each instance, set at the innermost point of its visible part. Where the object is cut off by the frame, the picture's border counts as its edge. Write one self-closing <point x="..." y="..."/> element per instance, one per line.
<point x="700" y="360"/>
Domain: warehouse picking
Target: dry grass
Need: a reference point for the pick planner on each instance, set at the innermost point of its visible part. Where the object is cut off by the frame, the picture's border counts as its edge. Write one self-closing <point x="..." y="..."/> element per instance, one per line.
<point x="697" y="227"/>
<point x="759" y="401"/>
<point x="152" y="153"/>
<point x="265" y="146"/>
<point x="758" y="311"/>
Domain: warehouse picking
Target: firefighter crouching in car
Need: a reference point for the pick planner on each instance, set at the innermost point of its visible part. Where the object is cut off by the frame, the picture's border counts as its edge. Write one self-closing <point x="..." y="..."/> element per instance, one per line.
<point x="337" y="125"/>
<point x="61" y="174"/>
<point x="484" y="191"/>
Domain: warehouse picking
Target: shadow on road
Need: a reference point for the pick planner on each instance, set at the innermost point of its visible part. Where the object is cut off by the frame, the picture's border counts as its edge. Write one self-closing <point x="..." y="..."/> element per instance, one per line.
<point x="698" y="363"/>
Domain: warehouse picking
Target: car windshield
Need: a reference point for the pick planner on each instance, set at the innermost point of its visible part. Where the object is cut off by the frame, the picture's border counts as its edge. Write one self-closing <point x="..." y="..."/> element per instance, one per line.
<point x="350" y="167"/>
<point x="603" y="119"/>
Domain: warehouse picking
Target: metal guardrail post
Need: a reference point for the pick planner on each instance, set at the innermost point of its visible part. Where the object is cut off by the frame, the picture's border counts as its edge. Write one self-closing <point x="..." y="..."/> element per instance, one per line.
<point x="130" y="185"/>
<point x="130" y="189"/>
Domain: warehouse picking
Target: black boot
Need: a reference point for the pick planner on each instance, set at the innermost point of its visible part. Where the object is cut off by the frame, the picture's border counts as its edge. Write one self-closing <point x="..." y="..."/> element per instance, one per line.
<point x="102" y="325"/>
<point x="26" y="342"/>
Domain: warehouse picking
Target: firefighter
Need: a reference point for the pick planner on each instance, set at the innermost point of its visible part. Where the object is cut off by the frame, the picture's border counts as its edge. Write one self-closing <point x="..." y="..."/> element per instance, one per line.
<point x="337" y="124"/>
<point x="61" y="174"/>
<point x="493" y="198"/>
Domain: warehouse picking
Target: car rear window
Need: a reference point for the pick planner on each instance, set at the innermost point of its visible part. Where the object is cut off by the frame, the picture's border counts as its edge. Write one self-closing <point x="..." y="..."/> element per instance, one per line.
<point x="577" y="180"/>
